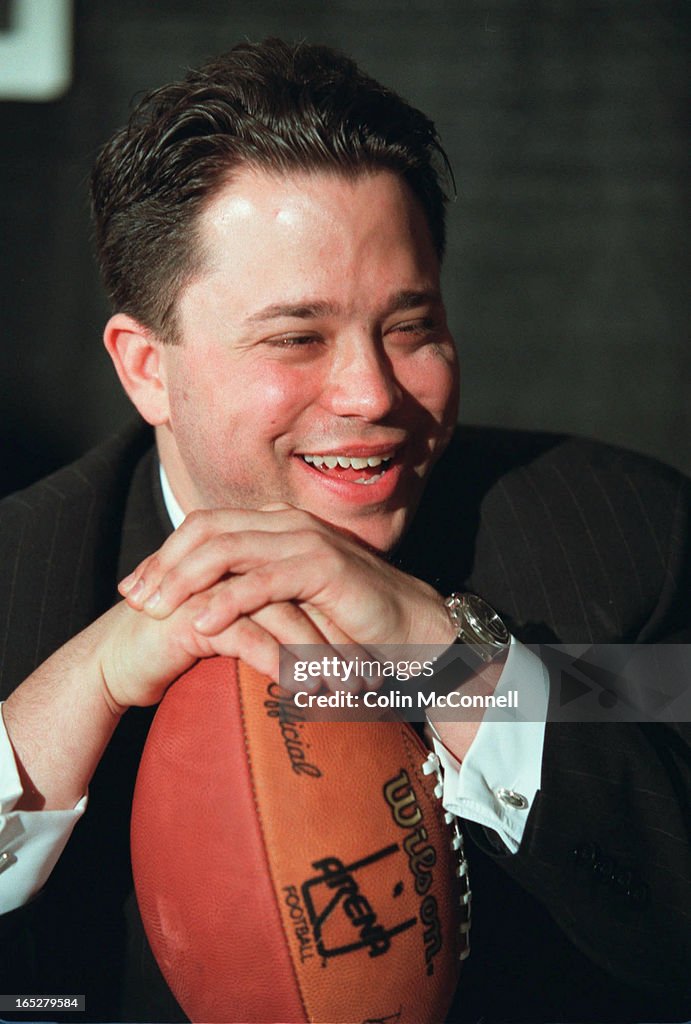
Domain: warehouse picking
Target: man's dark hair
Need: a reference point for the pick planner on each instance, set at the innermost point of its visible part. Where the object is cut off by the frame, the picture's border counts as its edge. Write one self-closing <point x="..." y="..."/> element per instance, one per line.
<point x="271" y="105"/>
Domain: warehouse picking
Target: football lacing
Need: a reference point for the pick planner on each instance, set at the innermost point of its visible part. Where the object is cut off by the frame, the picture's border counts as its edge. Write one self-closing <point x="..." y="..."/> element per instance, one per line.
<point x="432" y="765"/>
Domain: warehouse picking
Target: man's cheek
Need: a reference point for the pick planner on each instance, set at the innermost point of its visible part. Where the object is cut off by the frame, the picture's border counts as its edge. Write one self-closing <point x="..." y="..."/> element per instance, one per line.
<point x="282" y="397"/>
<point x="435" y="389"/>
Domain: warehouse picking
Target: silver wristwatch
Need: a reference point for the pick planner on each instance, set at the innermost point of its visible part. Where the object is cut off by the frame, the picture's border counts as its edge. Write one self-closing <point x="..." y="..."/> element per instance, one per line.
<point x="478" y="625"/>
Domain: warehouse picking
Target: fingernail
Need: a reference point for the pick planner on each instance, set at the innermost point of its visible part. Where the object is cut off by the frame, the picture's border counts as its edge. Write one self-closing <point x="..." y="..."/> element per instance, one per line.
<point x="153" y="600"/>
<point x="125" y="585"/>
<point x="275" y="506"/>
<point x="202" y="620"/>
<point x="137" y="590"/>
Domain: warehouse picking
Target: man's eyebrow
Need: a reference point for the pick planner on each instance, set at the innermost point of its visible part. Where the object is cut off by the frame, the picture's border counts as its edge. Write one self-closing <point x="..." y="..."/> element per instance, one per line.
<point x="404" y="300"/>
<point x="298" y="310"/>
<point x="399" y="302"/>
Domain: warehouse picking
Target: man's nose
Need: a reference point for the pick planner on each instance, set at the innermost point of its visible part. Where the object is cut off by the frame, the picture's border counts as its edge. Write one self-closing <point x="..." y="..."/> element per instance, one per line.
<point x="362" y="381"/>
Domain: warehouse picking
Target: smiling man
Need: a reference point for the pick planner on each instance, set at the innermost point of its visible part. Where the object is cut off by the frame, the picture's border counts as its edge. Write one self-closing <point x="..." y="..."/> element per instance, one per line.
<point x="315" y="340"/>
<point x="270" y="232"/>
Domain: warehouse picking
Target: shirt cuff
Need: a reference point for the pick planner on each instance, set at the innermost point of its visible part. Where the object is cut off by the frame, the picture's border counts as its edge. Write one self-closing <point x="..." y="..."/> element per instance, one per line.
<point x="30" y="841"/>
<point x="497" y="782"/>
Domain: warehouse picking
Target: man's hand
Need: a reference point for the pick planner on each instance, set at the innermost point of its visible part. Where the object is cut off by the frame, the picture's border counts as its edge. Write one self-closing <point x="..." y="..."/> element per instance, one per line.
<point x="139" y="656"/>
<point x="287" y="572"/>
<point x="61" y="718"/>
<point x="234" y="564"/>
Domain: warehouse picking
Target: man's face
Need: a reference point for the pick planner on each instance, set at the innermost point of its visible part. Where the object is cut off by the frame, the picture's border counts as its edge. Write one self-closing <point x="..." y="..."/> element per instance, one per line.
<point x="315" y="332"/>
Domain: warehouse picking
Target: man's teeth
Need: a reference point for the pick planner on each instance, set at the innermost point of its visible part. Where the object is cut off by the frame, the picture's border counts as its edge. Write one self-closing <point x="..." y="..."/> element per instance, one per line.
<point x="345" y="462"/>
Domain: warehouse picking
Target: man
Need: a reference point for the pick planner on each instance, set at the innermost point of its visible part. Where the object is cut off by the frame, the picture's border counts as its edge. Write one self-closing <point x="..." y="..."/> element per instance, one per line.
<point x="270" y="231"/>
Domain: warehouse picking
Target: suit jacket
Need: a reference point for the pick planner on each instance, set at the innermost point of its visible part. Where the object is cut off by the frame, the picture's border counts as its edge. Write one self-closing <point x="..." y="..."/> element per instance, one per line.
<point x="569" y="540"/>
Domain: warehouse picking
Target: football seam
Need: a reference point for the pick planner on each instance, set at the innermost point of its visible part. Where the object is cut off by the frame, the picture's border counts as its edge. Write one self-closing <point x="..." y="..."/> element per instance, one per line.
<point x="245" y="733"/>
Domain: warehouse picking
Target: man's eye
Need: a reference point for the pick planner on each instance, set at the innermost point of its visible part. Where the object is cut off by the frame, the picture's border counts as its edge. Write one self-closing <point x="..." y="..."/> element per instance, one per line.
<point x="423" y="327"/>
<point x="293" y="340"/>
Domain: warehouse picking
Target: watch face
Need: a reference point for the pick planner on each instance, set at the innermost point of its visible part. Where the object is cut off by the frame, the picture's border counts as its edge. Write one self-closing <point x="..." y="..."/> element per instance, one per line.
<point x="485" y="621"/>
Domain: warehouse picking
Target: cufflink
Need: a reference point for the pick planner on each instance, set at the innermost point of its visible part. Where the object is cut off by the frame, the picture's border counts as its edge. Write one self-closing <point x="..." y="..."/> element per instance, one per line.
<point x="6" y="860"/>
<point x="511" y="798"/>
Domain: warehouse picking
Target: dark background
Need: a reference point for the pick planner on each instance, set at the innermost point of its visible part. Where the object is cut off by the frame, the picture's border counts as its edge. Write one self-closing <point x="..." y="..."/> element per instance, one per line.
<point x="565" y="276"/>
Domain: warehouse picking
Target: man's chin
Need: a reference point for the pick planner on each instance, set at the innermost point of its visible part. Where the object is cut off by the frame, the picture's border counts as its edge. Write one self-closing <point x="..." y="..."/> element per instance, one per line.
<point x="379" y="533"/>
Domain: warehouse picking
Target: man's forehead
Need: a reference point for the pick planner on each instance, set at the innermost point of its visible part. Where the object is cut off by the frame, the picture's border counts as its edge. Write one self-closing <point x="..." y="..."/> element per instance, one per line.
<point x="286" y="197"/>
<point x="349" y="244"/>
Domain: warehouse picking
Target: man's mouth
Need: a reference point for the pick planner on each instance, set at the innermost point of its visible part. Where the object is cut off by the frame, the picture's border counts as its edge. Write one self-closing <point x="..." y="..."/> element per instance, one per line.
<point x="355" y="469"/>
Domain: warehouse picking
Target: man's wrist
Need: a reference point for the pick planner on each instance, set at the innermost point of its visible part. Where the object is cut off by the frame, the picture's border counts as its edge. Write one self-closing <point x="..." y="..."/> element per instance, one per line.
<point x="457" y="734"/>
<point x="444" y="633"/>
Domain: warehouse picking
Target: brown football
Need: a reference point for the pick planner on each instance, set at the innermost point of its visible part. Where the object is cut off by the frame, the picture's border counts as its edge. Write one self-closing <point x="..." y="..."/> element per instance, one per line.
<point x="289" y="870"/>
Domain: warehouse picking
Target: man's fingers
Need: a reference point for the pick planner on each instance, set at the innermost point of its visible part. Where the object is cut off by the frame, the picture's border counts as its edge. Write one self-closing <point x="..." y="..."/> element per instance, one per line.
<point x="132" y="586"/>
<point x="222" y="556"/>
<point x="291" y="579"/>
<point x="208" y="530"/>
<point x="288" y="624"/>
<point x="330" y="630"/>
<point x="293" y="627"/>
<point x="251" y="643"/>
<point x="256" y="640"/>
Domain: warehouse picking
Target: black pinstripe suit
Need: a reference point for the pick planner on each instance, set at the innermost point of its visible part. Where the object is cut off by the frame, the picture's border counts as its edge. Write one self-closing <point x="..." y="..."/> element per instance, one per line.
<point x="569" y="540"/>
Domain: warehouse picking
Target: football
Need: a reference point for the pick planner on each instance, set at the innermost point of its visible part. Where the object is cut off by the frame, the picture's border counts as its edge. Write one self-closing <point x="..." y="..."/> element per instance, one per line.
<point x="290" y="870"/>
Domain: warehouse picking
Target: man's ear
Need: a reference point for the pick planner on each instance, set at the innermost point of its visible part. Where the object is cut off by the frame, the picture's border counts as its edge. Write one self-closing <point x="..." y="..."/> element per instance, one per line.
<point x="136" y="355"/>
